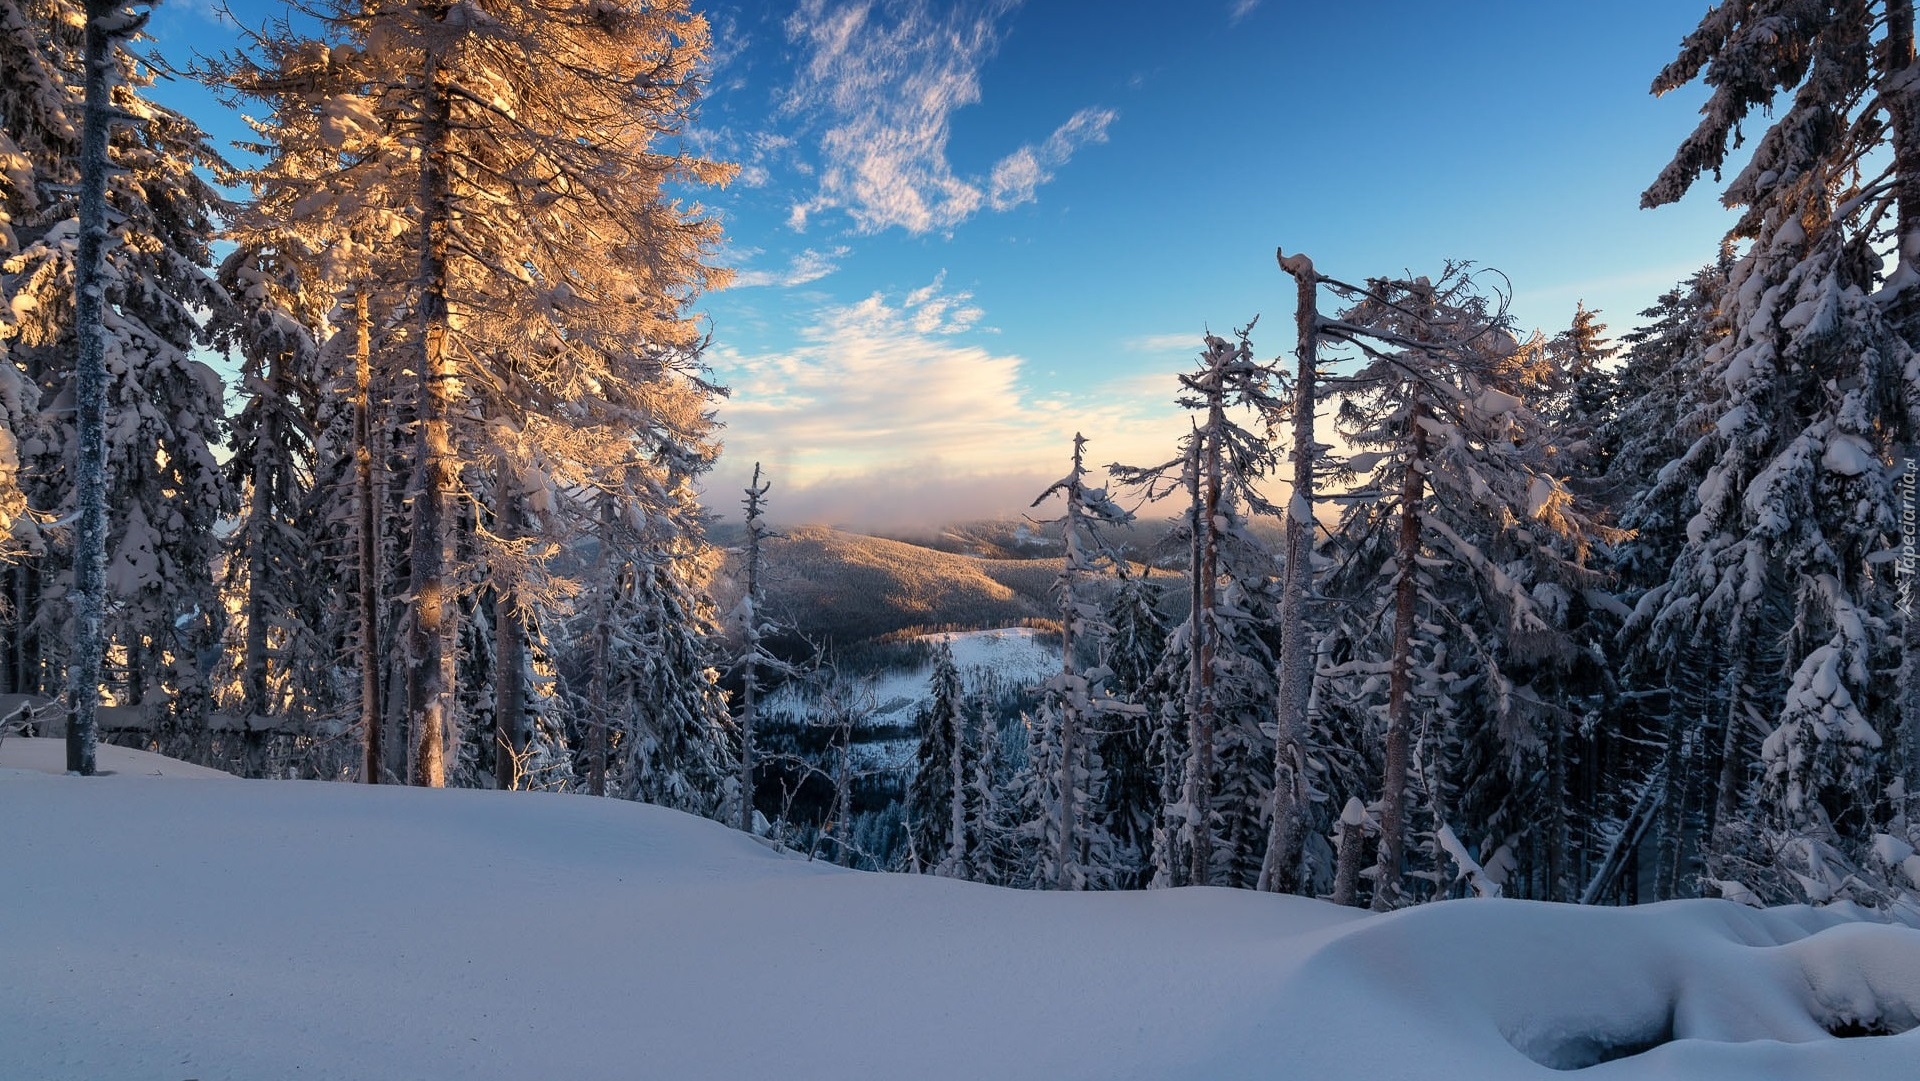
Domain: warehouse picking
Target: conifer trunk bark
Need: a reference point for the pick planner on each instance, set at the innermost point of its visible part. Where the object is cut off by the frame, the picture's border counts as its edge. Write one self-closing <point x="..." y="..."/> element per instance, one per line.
<point x="1390" y="885"/>
<point x="1199" y="793"/>
<point x="957" y="825"/>
<point x="749" y="674"/>
<point x="369" y="548"/>
<point x="1346" y="874"/>
<point x="430" y="677"/>
<point x="1288" y="823"/>
<point x="602" y="631"/>
<point x="1070" y="673"/>
<point x="90" y="401"/>
<point x="510" y="651"/>
<point x="843" y="793"/>
<point x="254" y="686"/>
<point x="1727" y="791"/>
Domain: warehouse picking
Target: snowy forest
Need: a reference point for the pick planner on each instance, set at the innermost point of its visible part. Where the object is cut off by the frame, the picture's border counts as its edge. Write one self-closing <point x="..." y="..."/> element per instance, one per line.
<point x="1440" y="606"/>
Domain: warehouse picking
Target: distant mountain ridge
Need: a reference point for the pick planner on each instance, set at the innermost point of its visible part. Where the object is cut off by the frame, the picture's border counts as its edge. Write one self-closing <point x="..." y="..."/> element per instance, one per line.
<point x="836" y="586"/>
<point x="847" y="587"/>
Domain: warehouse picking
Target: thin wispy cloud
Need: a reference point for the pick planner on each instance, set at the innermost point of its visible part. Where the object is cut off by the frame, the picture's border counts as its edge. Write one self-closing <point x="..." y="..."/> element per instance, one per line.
<point x="808" y="266"/>
<point x="884" y="83"/>
<point x="891" y="393"/>
<point x="1241" y="9"/>
<point x="1019" y="174"/>
<point x="1181" y="342"/>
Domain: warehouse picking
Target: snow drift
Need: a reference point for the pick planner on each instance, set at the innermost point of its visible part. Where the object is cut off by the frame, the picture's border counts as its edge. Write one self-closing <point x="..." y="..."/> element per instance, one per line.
<point x="173" y="927"/>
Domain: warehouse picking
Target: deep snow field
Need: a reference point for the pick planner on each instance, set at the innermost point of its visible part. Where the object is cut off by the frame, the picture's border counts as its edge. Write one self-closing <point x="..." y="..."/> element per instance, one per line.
<point x="165" y="922"/>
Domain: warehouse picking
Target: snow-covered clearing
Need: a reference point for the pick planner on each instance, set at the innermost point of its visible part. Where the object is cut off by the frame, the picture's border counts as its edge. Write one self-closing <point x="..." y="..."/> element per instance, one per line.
<point x="1011" y="656"/>
<point x="171" y="928"/>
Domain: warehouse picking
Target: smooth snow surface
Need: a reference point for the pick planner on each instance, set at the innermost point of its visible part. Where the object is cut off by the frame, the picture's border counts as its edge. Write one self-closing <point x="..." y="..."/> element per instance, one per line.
<point x="50" y="756"/>
<point x="275" y="929"/>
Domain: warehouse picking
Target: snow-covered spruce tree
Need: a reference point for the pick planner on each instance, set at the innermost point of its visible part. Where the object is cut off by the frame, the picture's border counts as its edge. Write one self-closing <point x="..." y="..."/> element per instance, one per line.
<point x="1217" y="757"/>
<point x="39" y="146"/>
<point x="283" y="663"/>
<point x="549" y="274"/>
<point x="670" y="715"/>
<point x="755" y="662"/>
<point x="992" y="848"/>
<point x="1580" y="361"/>
<point x="1790" y="560"/>
<point x="33" y="132"/>
<point x="336" y="247"/>
<point x="937" y="827"/>
<point x="141" y="422"/>
<point x="1656" y="453"/>
<point x="1462" y="575"/>
<point x="1133" y="638"/>
<point x="1075" y="847"/>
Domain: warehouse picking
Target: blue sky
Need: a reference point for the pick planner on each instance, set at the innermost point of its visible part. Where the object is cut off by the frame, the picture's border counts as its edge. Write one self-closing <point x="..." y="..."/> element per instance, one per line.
<point x="966" y="230"/>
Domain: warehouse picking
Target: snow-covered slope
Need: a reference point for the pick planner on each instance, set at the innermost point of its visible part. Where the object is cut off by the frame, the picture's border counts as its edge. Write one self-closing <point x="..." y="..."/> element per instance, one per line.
<point x="155" y="928"/>
<point x="1014" y="656"/>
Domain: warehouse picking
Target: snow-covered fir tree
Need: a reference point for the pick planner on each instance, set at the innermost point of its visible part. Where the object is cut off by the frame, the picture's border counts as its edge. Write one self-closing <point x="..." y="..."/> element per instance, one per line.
<point x="1581" y="361"/>
<point x="755" y="662"/>
<point x="533" y="348"/>
<point x="1788" y="575"/>
<point x="1215" y="688"/>
<point x="283" y="660"/>
<point x="1462" y="580"/>
<point x="157" y="409"/>
<point x="1127" y="801"/>
<point x="670" y="735"/>
<point x="1075" y="848"/>
<point x="1656" y="457"/>
<point x="943" y="766"/>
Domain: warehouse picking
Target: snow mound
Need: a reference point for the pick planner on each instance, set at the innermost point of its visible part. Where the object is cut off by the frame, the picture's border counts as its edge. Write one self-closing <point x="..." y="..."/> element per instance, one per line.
<point x="253" y="929"/>
<point x="1695" y="989"/>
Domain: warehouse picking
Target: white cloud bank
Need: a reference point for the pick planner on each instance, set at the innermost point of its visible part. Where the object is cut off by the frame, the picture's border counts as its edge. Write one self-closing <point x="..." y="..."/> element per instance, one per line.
<point x="886" y="84"/>
<point x="886" y="415"/>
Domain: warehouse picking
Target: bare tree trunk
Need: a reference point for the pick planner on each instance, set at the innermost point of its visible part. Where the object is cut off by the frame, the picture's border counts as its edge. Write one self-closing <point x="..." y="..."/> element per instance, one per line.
<point x="90" y="399"/>
<point x="1199" y="793"/>
<point x="602" y="632"/>
<point x="370" y="657"/>
<point x="430" y="674"/>
<point x="750" y="681"/>
<point x="1346" y="874"/>
<point x="1390" y="885"/>
<point x="1678" y="770"/>
<point x="1288" y="823"/>
<point x="843" y="792"/>
<point x="1727" y="791"/>
<point x="254" y="679"/>
<point x="957" y="827"/>
<point x="510" y="651"/>
<point x="1558" y="848"/>
<point x="1070" y="673"/>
